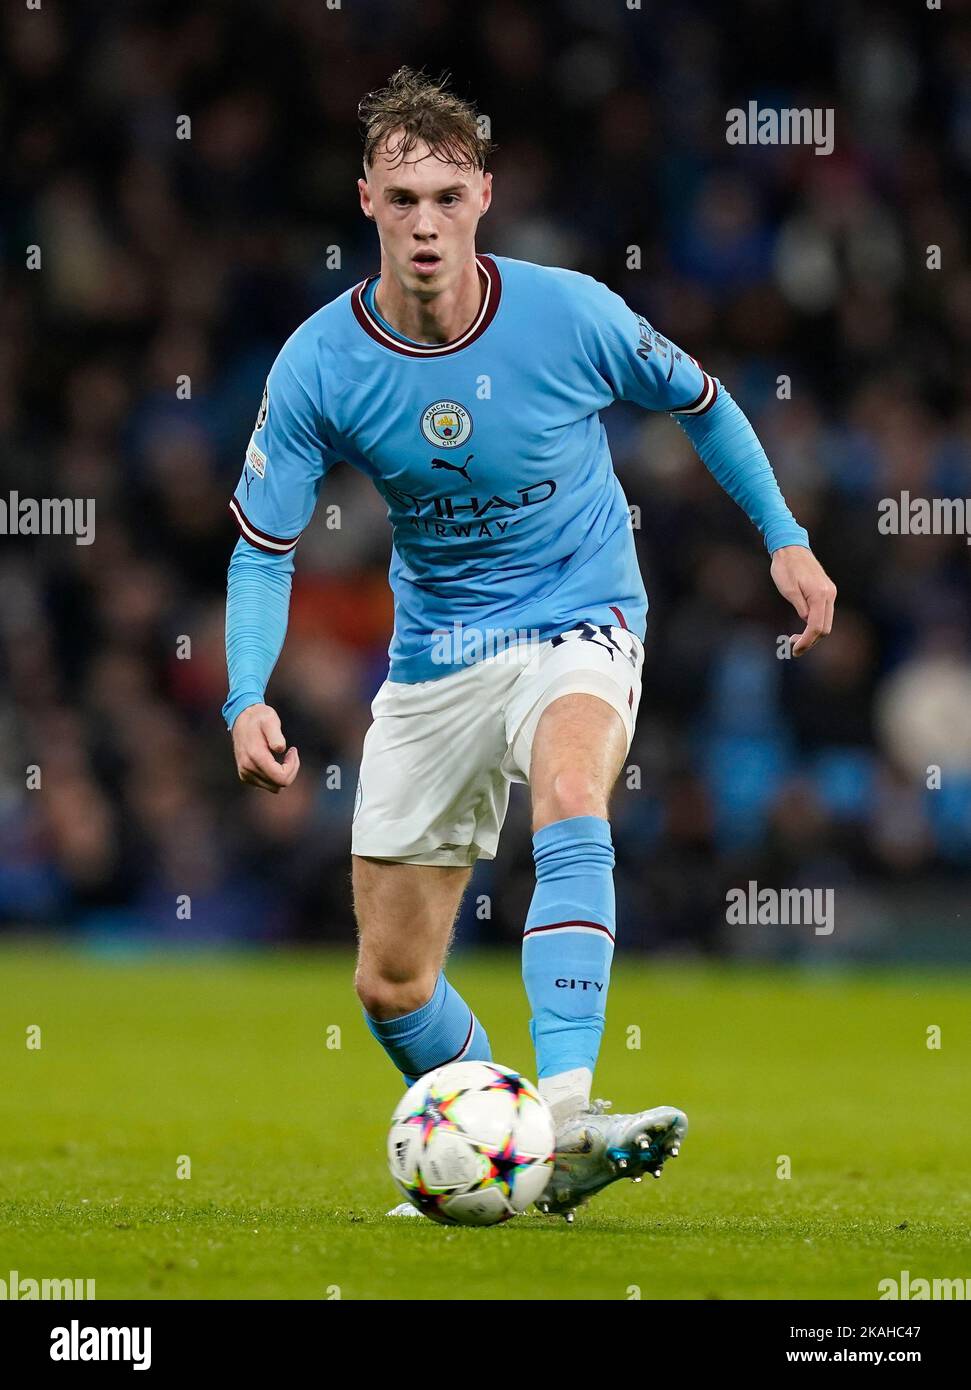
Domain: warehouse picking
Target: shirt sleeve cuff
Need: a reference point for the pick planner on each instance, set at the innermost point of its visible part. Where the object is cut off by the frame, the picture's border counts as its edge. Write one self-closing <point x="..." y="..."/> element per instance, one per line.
<point x="235" y="705"/>
<point x="782" y="533"/>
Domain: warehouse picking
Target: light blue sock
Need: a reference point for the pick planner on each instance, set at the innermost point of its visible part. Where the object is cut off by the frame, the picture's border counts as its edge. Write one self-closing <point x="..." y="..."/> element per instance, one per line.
<point x="443" y="1030"/>
<point x="568" y="943"/>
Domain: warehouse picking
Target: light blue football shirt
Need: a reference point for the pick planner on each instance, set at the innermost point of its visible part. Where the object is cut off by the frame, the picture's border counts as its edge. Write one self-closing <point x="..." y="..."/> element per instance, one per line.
<point x="489" y="451"/>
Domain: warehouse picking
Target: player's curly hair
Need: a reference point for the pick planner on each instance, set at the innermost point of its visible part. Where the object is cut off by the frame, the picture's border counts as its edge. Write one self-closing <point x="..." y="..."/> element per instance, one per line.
<point x="423" y="110"/>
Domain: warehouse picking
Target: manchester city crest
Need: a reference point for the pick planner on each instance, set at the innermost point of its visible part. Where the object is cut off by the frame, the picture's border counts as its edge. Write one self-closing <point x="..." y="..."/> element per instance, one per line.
<point x="446" y="424"/>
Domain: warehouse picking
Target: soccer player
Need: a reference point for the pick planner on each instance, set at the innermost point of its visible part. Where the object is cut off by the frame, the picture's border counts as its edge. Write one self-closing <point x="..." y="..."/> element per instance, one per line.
<point x="468" y="388"/>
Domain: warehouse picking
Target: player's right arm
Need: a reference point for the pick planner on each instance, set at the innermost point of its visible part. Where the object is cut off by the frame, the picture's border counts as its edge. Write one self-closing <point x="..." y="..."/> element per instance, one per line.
<point x="257" y="606"/>
<point x="285" y="463"/>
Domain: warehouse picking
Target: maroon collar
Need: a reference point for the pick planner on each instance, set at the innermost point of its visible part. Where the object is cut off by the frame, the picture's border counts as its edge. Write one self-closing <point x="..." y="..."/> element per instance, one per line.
<point x="491" y="293"/>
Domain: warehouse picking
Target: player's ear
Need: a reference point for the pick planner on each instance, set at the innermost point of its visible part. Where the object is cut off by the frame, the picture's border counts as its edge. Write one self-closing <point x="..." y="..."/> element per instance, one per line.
<point x="365" y="196"/>
<point x="486" y="193"/>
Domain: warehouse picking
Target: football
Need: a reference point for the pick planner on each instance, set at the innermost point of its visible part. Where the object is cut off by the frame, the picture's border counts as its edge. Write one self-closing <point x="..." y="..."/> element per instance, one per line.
<point x="471" y="1144"/>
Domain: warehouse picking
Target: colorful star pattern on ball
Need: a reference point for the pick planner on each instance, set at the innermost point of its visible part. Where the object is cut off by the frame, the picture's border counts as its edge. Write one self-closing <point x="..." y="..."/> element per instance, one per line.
<point x="443" y="1103"/>
<point x="434" y="1114"/>
<point x="506" y="1164"/>
<point x="512" y="1084"/>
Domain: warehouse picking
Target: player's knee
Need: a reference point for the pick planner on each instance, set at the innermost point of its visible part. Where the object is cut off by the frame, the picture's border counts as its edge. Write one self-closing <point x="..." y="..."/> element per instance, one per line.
<point x="385" y="998"/>
<point x="571" y="792"/>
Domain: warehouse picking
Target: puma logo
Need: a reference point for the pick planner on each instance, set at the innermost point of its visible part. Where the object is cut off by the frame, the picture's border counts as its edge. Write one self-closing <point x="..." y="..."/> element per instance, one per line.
<point x="462" y="468"/>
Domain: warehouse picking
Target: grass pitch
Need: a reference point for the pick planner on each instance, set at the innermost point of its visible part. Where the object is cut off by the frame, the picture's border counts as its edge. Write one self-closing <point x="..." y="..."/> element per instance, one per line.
<point x="258" y="1070"/>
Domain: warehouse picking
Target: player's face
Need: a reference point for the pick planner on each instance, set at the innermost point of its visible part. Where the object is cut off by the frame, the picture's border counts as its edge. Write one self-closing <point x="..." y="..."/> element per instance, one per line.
<point x="426" y="213"/>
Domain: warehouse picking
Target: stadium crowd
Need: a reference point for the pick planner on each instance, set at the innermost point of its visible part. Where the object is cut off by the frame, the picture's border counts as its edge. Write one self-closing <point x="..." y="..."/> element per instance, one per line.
<point x="172" y="269"/>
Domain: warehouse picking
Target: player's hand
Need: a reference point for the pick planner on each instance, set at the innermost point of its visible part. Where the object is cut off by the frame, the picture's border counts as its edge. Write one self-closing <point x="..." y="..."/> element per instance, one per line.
<point x="801" y="579"/>
<point x="257" y="739"/>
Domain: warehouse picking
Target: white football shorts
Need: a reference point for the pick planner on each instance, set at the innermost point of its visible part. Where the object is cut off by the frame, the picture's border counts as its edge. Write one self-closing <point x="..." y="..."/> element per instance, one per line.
<point x="440" y="755"/>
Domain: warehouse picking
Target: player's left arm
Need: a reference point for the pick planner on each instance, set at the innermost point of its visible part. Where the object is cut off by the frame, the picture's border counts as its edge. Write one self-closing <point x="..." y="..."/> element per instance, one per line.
<point x="641" y="365"/>
<point x="730" y="449"/>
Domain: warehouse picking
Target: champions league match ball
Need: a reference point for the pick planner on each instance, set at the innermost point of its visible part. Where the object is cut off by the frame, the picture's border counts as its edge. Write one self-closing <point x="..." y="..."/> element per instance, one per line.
<point x="471" y="1144"/>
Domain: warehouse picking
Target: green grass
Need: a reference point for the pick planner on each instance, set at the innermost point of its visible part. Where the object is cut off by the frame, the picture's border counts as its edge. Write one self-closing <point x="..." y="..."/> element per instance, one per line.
<point x="225" y="1060"/>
